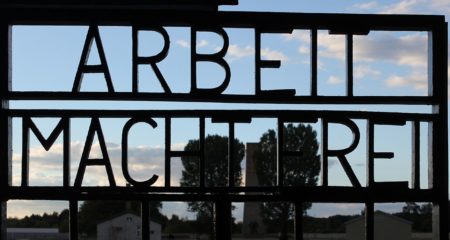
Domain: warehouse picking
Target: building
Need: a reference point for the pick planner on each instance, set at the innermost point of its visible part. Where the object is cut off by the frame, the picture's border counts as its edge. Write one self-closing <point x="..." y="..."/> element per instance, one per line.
<point x="387" y="227"/>
<point x="252" y="222"/>
<point x="126" y="226"/>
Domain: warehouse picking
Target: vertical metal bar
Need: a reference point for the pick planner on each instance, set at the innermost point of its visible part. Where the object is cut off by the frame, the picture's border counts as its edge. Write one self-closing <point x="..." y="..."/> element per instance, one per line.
<point x="135" y="66"/>
<point x="370" y="151"/>
<point x="66" y="157"/>
<point x="298" y="221"/>
<point x="5" y="122"/>
<point x="349" y="62"/>
<point x="73" y="219"/>
<point x="313" y="62"/>
<point x="438" y="129"/>
<point x="202" y="151"/>
<point x="257" y="61"/>
<point x="323" y="155"/>
<point x="231" y="154"/>
<point x="167" y="150"/>
<point x="223" y="219"/>
<point x="280" y="147"/>
<point x="25" y="152"/>
<point x="415" y="172"/>
<point x="370" y="223"/>
<point x="145" y="217"/>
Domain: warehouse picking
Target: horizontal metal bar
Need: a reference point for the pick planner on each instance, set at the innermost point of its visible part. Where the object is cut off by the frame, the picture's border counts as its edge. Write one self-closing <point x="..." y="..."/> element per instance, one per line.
<point x="374" y="116"/>
<point x="260" y="194"/>
<point x="60" y="14"/>
<point x="223" y="98"/>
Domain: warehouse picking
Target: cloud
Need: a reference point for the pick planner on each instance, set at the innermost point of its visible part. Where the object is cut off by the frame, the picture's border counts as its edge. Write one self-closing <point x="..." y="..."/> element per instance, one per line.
<point x="273" y="55"/>
<point x="416" y="80"/>
<point x="333" y="80"/>
<point x="362" y="71"/>
<point x="236" y="52"/>
<point x="366" y="6"/>
<point x="183" y="43"/>
<point x="186" y="44"/>
<point x="407" y="50"/>
<point x="402" y="7"/>
<point x="202" y="43"/>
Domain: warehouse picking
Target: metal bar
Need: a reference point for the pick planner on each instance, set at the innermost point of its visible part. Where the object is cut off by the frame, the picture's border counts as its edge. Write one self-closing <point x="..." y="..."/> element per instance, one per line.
<point x="222" y="98"/>
<point x="66" y="156"/>
<point x="145" y="217"/>
<point x="73" y="219"/>
<point x="67" y="15"/>
<point x="167" y="151"/>
<point x="202" y="151"/>
<point x="25" y="153"/>
<point x="258" y="194"/>
<point x="369" y="216"/>
<point x="280" y="148"/>
<point x="388" y="117"/>
<point x="298" y="221"/>
<point x="323" y="154"/>
<point x="222" y="221"/>
<point x="415" y="168"/>
<point x="5" y="121"/>
<point x="349" y="63"/>
<point x="437" y="133"/>
<point x="370" y="150"/>
<point x="231" y="174"/>
<point x="313" y="54"/>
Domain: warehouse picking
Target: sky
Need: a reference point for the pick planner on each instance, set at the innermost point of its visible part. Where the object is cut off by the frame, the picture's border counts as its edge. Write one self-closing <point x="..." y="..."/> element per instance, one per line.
<point x="385" y="63"/>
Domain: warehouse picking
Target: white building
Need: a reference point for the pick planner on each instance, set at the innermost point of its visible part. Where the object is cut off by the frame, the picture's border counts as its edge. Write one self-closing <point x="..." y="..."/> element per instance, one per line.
<point x="387" y="227"/>
<point x="126" y="227"/>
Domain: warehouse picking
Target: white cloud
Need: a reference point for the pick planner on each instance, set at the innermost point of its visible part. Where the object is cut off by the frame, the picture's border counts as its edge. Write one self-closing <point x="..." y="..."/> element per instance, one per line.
<point x="186" y="44"/>
<point x="367" y="6"/>
<point x="333" y="80"/>
<point x="304" y="50"/>
<point x="202" y="43"/>
<point x="236" y="52"/>
<point x="183" y="43"/>
<point x="416" y="80"/>
<point x="362" y="71"/>
<point x="299" y="35"/>
<point x="273" y="55"/>
<point x="403" y="7"/>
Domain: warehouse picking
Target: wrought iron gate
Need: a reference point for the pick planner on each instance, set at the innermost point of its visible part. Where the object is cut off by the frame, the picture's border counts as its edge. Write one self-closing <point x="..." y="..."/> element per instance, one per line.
<point x="202" y="15"/>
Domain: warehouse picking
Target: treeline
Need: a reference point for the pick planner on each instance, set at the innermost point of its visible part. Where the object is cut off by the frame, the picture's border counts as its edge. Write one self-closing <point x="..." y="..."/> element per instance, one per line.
<point x="53" y="220"/>
<point x="94" y="212"/>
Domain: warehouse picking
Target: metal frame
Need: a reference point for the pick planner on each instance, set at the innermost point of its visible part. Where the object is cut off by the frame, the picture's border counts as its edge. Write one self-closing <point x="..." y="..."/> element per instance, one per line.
<point x="121" y="14"/>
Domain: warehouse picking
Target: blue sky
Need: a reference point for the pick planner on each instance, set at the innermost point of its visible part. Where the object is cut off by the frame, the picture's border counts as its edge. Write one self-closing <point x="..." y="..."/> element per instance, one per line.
<point x="386" y="63"/>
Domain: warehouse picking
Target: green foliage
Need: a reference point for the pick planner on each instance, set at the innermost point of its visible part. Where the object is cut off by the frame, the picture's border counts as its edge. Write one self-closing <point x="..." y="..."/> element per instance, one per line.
<point x="53" y="220"/>
<point x="419" y="215"/>
<point x="216" y="174"/>
<point x="298" y="171"/>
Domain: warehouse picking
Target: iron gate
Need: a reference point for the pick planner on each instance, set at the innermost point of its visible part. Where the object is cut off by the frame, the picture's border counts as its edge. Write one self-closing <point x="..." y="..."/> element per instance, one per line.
<point x="202" y="15"/>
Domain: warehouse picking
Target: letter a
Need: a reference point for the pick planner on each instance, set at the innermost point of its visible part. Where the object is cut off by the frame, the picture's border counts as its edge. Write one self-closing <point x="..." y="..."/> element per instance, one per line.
<point x="85" y="161"/>
<point x="83" y="68"/>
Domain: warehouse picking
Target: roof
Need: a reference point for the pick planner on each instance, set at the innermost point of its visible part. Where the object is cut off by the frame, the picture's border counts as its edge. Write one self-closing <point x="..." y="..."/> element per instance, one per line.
<point x="32" y="230"/>
<point x="393" y="217"/>
<point x="122" y="214"/>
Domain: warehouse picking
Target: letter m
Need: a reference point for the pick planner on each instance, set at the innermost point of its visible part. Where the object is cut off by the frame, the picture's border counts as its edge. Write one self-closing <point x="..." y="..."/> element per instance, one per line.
<point x="64" y="127"/>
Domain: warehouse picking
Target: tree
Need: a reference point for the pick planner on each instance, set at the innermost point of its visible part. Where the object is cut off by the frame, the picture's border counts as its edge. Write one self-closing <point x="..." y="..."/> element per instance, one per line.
<point x="302" y="170"/>
<point x="216" y="174"/>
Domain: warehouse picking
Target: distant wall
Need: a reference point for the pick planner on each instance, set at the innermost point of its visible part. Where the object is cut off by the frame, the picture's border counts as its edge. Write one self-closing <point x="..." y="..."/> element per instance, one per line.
<point x="38" y="236"/>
